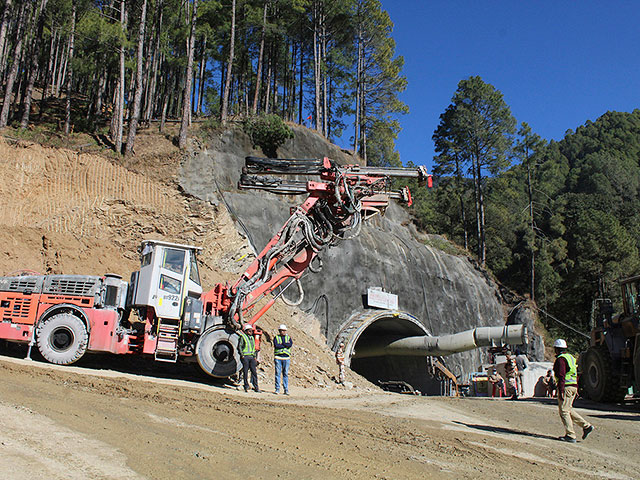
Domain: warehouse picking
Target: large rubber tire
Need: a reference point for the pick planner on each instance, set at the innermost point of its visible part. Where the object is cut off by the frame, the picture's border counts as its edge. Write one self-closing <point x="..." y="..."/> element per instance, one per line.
<point x="599" y="381"/>
<point x="217" y="352"/>
<point x="62" y="339"/>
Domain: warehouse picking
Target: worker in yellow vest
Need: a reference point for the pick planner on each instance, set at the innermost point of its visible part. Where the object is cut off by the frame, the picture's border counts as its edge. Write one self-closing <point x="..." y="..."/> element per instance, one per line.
<point x="247" y="347"/>
<point x="282" y="344"/>
<point x="566" y="373"/>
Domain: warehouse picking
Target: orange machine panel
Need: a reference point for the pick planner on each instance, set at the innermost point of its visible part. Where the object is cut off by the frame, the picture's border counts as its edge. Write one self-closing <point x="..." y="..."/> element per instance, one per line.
<point x="18" y="307"/>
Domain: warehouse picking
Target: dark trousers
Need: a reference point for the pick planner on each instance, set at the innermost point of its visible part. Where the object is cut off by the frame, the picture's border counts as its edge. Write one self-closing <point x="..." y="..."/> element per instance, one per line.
<point x="249" y="363"/>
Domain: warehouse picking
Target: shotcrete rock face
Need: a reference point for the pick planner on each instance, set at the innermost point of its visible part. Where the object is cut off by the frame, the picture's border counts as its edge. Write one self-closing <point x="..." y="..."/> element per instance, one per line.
<point x="443" y="293"/>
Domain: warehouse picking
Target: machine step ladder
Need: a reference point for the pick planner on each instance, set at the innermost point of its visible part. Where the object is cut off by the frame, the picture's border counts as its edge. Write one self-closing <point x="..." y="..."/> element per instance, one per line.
<point x="167" y="346"/>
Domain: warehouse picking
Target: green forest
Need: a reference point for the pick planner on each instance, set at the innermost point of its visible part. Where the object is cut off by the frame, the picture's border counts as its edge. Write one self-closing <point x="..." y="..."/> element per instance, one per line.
<point x="555" y="221"/>
<point x="558" y="222"/>
<point x="112" y="65"/>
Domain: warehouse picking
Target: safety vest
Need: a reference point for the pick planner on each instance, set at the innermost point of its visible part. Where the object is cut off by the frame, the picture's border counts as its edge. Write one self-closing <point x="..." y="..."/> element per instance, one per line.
<point x="248" y="345"/>
<point x="284" y="351"/>
<point x="571" y="377"/>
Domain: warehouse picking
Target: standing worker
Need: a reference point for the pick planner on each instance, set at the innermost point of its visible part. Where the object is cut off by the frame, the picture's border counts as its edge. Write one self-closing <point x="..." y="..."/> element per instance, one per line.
<point x="340" y="362"/>
<point x="497" y="382"/>
<point x="247" y="347"/>
<point x="522" y="362"/>
<point x="566" y="371"/>
<point x="511" y="372"/>
<point x="282" y="357"/>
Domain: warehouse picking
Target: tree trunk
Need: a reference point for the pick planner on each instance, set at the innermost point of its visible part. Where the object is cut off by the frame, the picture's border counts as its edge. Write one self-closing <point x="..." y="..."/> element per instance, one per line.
<point x="33" y="66"/>
<point x="316" y="62"/>
<point x="533" y="235"/>
<point x="137" y="99"/>
<point x="227" y="86"/>
<point x="118" y="111"/>
<point x="463" y="213"/>
<point x="186" y="103"/>
<point x="256" y="95"/>
<point x="11" y="78"/>
<point x="356" y="134"/>
<point x="267" y="95"/>
<point x="62" y="69"/>
<point x="203" y="72"/>
<point x="482" y="249"/>
<point x="477" y="203"/>
<point x="300" y="84"/>
<point x="67" y="117"/>
<point x="3" y="35"/>
<point x="47" y="78"/>
<point x="325" y="113"/>
<point x="54" y="72"/>
<point x="151" y="91"/>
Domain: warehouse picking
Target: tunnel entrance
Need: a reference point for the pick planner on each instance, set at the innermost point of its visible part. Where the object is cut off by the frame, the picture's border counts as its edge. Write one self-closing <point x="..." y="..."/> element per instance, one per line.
<point x="366" y="328"/>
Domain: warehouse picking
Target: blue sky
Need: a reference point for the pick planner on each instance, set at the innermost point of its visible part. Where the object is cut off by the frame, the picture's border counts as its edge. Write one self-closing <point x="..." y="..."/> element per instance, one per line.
<point x="557" y="63"/>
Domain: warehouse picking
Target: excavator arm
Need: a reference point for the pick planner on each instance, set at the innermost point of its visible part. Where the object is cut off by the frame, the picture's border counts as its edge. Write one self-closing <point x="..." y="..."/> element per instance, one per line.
<point x="333" y="211"/>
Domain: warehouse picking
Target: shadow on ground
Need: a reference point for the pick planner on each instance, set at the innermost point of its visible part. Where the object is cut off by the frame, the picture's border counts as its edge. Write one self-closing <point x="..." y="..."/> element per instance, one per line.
<point x="136" y="365"/>
<point x="509" y="431"/>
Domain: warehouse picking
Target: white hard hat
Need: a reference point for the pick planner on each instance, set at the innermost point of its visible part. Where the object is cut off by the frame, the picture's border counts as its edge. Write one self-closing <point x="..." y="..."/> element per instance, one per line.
<point x="247" y="326"/>
<point x="560" y="343"/>
<point x="282" y="327"/>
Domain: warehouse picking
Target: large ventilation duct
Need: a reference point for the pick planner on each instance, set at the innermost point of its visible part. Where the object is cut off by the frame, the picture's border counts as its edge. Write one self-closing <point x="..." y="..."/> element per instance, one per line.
<point x="443" y="345"/>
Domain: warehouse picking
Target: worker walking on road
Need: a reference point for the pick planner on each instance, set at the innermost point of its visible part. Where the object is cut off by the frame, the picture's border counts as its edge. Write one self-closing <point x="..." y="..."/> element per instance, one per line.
<point x="282" y="357"/>
<point x="340" y="362"/>
<point x="247" y="347"/>
<point x="566" y="372"/>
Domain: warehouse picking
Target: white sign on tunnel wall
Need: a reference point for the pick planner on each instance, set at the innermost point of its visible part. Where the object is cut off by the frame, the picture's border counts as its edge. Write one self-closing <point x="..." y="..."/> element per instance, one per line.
<point x="378" y="299"/>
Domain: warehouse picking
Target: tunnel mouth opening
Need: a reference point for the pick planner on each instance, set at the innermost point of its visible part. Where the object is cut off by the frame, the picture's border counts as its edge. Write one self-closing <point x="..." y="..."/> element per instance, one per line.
<point x="399" y="373"/>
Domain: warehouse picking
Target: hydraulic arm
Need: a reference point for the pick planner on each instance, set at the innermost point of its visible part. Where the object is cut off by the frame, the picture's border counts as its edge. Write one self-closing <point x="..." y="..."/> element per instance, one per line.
<point x="333" y="211"/>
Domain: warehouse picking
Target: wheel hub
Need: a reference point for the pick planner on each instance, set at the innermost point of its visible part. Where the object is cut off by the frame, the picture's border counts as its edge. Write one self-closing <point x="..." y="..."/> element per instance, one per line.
<point x="61" y="339"/>
<point x="222" y="351"/>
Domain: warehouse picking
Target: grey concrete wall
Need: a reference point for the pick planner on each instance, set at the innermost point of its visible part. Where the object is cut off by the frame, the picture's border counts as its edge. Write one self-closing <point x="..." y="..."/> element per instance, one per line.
<point x="448" y="293"/>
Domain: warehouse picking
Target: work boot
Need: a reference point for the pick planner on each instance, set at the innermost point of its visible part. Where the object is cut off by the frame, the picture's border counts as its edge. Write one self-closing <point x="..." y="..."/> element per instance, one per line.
<point x="567" y="438"/>
<point x="586" y="431"/>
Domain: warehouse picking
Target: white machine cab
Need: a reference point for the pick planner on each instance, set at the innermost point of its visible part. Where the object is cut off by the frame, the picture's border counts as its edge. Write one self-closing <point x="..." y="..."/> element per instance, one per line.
<point x="168" y="274"/>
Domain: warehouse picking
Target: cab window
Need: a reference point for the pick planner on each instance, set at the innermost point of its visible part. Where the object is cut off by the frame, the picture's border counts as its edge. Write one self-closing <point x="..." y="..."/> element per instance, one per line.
<point x="147" y="252"/>
<point x="632" y="297"/>
<point x="173" y="260"/>
<point x="170" y="285"/>
<point x="194" y="275"/>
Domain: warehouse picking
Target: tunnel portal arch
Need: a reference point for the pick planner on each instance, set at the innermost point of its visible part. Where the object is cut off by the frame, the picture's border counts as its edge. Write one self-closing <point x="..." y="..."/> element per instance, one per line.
<point x="365" y="326"/>
<point x="370" y="322"/>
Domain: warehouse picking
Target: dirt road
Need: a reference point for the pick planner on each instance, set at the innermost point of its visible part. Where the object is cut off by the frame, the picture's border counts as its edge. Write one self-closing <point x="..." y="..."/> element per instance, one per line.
<point x="78" y="422"/>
